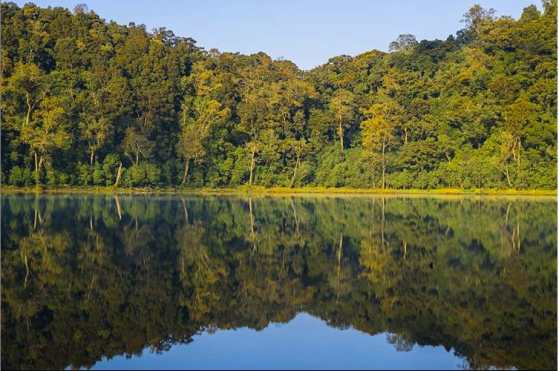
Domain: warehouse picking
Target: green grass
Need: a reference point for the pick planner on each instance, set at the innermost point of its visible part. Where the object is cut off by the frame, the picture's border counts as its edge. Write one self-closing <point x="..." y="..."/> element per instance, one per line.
<point x="259" y="190"/>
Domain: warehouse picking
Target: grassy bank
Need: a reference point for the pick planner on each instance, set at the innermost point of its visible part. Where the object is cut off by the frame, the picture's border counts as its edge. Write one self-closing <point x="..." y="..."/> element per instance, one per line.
<point x="257" y="190"/>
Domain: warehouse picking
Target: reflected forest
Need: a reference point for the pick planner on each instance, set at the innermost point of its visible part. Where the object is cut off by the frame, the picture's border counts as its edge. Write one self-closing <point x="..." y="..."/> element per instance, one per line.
<point x="89" y="277"/>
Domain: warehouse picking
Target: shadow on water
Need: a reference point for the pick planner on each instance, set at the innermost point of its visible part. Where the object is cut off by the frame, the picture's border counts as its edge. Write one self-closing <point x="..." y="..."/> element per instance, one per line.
<point x="87" y="277"/>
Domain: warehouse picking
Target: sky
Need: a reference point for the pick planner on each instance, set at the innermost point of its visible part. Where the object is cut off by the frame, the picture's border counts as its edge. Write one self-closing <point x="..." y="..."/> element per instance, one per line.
<point x="307" y="32"/>
<point x="306" y="342"/>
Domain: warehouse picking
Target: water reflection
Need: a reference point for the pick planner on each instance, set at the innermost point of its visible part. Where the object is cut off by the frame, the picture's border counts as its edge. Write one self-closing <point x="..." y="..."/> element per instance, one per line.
<point x="96" y="276"/>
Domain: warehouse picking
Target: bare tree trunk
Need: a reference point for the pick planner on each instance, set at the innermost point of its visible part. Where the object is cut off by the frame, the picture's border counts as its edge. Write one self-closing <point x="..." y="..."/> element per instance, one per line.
<point x="118" y="174"/>
<point x="383" y="165"/>
<point x="91" y="157"/>
<point x="405" y="248"/>
<point x="186" y="166"/>
<point x="341" y="135"/>
<point x="294" y="173"/>
<point x="38" y="165"/>
<point x="253" y="153"/>
<point x="506" y="171"/>
<point x="519" y="147"/>
<point x="36" y="168"/>
<point x="29" y="108"/>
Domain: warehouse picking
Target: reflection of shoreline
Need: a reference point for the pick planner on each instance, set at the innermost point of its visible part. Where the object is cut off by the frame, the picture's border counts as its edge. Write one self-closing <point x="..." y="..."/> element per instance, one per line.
<point x="157" y="269"/>
<point x="283" y="192"/>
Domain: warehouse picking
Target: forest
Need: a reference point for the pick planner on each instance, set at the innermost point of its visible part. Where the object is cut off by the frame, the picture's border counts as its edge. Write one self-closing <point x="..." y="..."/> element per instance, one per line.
<point x="88" y="102"/>
<point x="89" y="277"/>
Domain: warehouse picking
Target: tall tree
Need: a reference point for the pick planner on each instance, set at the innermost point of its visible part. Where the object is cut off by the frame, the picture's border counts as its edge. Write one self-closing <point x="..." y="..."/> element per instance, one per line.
<point x="378" y="131"/>
<point x="342" y="106"/>
<point x="46" y="132"/>
<point x="198" y="116"/>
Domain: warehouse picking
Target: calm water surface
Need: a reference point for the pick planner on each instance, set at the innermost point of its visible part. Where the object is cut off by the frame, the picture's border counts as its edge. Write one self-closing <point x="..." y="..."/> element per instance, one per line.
<point x="231" y="282"/>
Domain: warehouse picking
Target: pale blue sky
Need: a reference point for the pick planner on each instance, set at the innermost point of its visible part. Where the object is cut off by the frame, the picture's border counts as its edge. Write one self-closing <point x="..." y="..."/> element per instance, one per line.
<point x="306" y="342"/>
<point x="307" y="32"/>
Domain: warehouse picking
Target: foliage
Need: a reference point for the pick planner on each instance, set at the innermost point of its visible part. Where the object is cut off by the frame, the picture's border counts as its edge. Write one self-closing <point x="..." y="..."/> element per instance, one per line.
<point x="91" y="277"/>
<point x="478" y="109"/>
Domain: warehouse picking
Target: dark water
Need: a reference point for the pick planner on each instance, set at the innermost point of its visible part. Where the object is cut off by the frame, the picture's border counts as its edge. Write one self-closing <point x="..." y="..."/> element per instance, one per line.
<point x="230" y="282"/>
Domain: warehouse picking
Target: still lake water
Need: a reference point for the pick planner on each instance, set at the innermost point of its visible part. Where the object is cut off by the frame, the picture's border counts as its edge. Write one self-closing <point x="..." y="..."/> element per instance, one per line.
<point x="324" y="282"/>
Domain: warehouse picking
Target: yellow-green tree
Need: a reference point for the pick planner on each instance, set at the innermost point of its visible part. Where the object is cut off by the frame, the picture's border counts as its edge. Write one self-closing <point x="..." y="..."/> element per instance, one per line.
<point x="198" y="117"/>
<point x="342" y="106"/>
<point x="46" y="132"/>
<point x="378" y="131"/>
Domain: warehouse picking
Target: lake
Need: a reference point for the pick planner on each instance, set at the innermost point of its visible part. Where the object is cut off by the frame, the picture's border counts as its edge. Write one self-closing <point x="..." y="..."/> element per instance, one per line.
<point x="278" y="282"/>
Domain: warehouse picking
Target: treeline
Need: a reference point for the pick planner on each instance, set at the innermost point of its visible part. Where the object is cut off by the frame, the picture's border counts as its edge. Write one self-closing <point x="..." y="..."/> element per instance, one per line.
<point x="89" y="278"/>
<point x="90" y="102"/>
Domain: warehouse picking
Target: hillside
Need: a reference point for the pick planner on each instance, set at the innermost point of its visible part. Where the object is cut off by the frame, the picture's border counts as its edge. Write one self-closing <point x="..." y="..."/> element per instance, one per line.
<point x="90" y="102"/>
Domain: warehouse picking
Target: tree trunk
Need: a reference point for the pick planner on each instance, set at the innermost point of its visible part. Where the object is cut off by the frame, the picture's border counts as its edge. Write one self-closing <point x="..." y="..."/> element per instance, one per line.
<point x="518" y="147"/>
<point x="91" y="157"/>
<point x="294" y="173"/>
<point x="383" y="165"/>
<point x="29" y="108"/>
<point x="137" y="157"/>
<point x="341" y="135"/>
<point x="118" y="174"/>
<point x="186" y="166"/>
<point x="506" y="171"/>
<point x="405" y="248"/>
<point x="38" y="164"/>
<point x="253" y="153"/>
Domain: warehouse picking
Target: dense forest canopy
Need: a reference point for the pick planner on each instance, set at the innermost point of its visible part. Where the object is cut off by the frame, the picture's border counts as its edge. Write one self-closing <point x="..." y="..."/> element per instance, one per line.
<point x="90" y="102"/>
<point x="90" y="277"/>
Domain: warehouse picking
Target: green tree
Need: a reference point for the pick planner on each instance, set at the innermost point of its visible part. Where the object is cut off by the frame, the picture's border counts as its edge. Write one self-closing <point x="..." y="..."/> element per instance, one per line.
<point x="378" y="131"/>
<point x="199" y="115"/>
<point x="342" y="107"/>
<point x="46" y="132"/>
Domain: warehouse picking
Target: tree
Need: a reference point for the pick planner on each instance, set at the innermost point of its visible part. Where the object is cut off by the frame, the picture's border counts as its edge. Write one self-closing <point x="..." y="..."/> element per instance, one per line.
<point x="403" y="42"/>
<point x="199" y="115"/>
<point x="95" y="131"/>
<point x="47" y="132"/>
<point x="378" y="131"/>
<point x="299" y="147"/>
<point x="486" y="95"/>
<point x="136" y="144"/>
<point x="342" y="106"/>
<point x="517" y="117"/>
<point x="476" y="16"/>
<point x="252" y="111"/>
<point x="28" y="80"/>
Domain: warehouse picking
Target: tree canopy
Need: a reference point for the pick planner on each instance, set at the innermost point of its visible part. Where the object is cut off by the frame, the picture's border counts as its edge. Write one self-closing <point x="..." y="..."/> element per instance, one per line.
<point x="84" y="99"/>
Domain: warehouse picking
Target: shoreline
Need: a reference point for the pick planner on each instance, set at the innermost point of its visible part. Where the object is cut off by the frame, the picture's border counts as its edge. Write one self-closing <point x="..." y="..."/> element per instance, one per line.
<point x="279" y="191"/>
